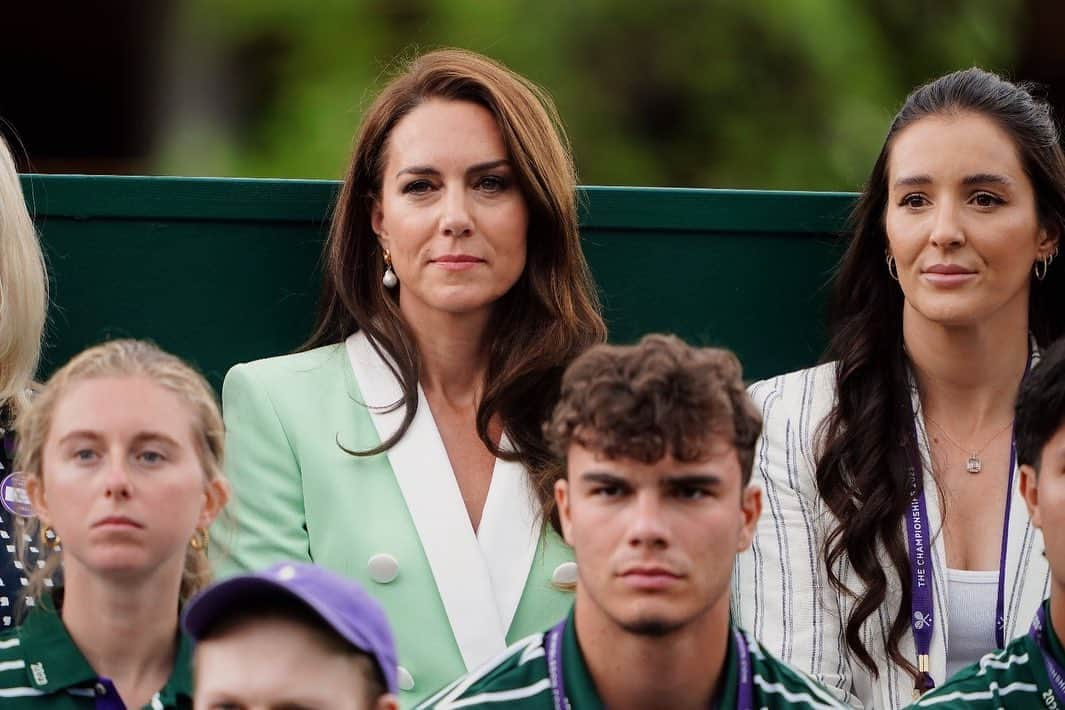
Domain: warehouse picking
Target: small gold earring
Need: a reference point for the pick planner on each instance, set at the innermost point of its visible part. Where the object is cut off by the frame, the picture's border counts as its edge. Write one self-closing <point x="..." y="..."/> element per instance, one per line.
<point x="200" y="540"/>
<point x="51" y="537"/>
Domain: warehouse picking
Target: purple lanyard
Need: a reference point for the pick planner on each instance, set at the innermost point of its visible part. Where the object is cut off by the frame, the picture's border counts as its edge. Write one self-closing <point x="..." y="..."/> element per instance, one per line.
<point x="744" y="694"/>
<point x="1057" y="676"/>
<point x="921" y="565"/>
<point x="554" y="666"/>
<point x="921" y="603"/>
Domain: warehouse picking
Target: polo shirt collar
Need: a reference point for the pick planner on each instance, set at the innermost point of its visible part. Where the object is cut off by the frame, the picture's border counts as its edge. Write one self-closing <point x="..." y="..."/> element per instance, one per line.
<point x="581" y="689"/>
<point x="725" y="696"/>
<point x="579" y="686"/>
<point x="1036" y="651"/>
<point x="54" y="662"/>
<point x="179" y="684"/>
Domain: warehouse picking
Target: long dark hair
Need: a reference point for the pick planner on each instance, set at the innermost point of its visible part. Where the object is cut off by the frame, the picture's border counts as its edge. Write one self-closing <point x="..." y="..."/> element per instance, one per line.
<point x="862" y="470"/>
<point x="548" y="317"/>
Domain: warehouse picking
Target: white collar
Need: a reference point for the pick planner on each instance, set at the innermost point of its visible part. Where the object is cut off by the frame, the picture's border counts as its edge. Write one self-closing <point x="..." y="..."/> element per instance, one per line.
<point x="475" y="574"/>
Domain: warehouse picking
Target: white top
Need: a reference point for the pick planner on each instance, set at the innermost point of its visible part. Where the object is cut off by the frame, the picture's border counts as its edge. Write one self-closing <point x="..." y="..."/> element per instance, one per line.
<point x="780" y="587"/>
<point x="973" y="596"/>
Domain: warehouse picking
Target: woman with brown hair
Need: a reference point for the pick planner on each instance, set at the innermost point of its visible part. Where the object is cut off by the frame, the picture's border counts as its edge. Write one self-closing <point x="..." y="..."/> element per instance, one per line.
<point x="403" y="447"/>
<point x="895" y="548"/>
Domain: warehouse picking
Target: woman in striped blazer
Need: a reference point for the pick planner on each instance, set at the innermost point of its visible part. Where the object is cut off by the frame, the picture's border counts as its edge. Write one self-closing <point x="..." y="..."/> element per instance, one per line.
<point x="894" y="547"/>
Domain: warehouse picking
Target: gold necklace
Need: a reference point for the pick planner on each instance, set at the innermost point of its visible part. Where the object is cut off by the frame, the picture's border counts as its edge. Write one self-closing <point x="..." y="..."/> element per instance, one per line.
<point x="973" y="464"/>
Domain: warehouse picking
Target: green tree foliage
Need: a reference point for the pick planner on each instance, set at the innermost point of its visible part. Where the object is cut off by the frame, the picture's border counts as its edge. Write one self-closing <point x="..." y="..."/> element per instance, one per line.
<point x="794" y="94"/>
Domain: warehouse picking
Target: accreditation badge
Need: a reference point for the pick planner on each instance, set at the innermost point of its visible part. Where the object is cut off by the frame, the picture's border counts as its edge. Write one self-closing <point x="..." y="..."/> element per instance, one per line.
<point x="13" y="495"/>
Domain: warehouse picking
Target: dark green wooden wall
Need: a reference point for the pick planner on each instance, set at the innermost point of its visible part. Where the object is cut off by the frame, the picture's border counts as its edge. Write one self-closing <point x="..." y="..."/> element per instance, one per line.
<point x="221" y="271"/>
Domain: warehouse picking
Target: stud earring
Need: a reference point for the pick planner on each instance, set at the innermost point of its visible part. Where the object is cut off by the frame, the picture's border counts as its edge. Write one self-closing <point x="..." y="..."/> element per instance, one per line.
<point x="390" y="280"/>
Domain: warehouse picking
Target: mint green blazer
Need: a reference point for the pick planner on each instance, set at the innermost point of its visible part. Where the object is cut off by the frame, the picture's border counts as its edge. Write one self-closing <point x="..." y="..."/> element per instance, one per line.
<point x="395" y="522"/>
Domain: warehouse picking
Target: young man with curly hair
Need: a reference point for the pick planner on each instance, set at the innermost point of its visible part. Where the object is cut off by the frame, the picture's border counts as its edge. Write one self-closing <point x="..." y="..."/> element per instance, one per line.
<point x="659" y="441"/>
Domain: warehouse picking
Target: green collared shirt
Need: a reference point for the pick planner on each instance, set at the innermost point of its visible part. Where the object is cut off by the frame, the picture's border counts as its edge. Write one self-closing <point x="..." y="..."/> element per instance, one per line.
<point x="1014" y="677"/>
<point x="41" y="667"/>
<point x="519" y="680"/>
<point x="581" y="689"/>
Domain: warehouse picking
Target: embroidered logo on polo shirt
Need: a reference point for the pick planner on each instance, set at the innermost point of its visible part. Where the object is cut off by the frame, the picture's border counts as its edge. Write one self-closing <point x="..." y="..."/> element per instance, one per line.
<point x="39" y="676"/>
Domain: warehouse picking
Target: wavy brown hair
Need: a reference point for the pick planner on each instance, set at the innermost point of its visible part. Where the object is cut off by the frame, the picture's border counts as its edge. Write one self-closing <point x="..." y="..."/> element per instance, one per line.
<point x="862" y="470"/>
<point x="546" y="319"/>
<point x="656" y="398"/>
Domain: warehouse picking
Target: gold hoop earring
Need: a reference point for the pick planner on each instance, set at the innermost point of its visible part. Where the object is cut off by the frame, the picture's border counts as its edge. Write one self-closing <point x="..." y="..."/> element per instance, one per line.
<point x="200" y="540"/>
<point x="51" y="537"/>
<point x="892" y="270"/>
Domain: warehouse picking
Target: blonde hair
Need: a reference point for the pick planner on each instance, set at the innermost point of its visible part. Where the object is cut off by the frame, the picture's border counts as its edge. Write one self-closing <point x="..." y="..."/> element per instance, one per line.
<point x="119" y="358"/>
<point x="23" y="289"/>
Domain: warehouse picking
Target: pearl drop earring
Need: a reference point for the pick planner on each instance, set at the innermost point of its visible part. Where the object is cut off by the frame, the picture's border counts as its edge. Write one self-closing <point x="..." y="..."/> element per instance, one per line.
<point x="390" y="280"/>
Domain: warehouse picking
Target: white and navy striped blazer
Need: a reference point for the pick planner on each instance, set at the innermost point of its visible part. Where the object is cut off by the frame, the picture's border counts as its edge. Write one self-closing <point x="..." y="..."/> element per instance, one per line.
<point x="781" y="591"/>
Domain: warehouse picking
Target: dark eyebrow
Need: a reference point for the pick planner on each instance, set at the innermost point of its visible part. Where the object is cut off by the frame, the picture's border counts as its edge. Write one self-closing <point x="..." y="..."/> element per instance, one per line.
<point x="987" y="179"/>
<point x="481" y="167"/>
<point x="680" y="480"/>
<point x="707" y="480"/>
<point x="603" y="478"/>
<point x="478" y="168"/>
<point x="419" y="170"/>
<point x="913" y="180"/>
<point x="976" y="179"/>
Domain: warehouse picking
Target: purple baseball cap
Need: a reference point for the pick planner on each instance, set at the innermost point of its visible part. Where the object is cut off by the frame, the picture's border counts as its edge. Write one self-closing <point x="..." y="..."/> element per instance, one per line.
<point x="341" y="603"/>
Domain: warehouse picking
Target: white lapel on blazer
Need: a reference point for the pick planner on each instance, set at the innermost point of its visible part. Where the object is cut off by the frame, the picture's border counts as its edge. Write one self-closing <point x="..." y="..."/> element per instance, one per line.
<point x="420" y="464"/>
<point x="509" y="533"/>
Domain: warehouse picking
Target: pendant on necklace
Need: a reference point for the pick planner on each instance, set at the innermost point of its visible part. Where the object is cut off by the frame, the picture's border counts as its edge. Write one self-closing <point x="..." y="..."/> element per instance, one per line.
<point x="973" y="465"/>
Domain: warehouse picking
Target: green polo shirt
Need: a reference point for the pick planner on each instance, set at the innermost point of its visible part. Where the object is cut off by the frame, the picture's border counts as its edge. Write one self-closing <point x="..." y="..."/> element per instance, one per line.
<point x="519" y="680"/>
<point x="40" y="667"/>
<point x="1015" y="677"/>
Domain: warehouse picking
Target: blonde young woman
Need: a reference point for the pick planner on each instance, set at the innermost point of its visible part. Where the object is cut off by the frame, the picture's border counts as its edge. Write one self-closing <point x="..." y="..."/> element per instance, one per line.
<point x="122" y="455"/>
<point x="404" y="448"/>
<point x="23" y="306"/>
